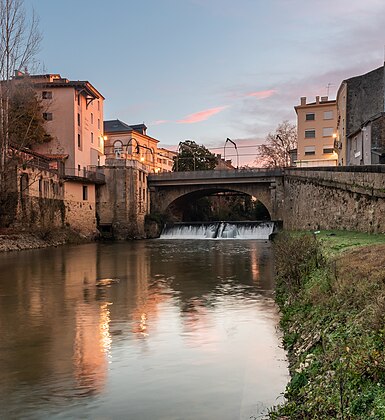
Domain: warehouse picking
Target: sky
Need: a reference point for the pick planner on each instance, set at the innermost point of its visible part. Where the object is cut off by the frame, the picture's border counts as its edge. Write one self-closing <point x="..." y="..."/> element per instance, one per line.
<point x="207" y="70"/>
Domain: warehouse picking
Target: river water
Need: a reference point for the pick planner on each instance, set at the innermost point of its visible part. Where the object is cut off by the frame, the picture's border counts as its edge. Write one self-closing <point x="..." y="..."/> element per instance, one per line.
<point x="141" y="330"/>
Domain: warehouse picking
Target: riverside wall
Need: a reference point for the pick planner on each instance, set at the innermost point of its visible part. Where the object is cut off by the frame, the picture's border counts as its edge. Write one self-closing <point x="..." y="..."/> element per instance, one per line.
<point x="334" y="199"/>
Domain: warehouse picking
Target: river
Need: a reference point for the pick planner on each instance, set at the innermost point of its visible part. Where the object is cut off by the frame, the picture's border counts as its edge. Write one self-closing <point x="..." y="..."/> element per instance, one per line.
<point x="146" y="330"/>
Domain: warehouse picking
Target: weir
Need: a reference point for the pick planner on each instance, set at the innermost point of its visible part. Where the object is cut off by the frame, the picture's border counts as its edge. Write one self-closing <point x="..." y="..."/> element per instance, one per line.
<point x="218" y="230"/>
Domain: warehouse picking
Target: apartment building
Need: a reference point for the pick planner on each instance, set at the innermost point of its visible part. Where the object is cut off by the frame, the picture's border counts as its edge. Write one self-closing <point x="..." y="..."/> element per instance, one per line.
<point x="317" y="126"/>
<point x="361" y="119"/>
<point x="73" y="113"/>
<point x="165" y="160"/>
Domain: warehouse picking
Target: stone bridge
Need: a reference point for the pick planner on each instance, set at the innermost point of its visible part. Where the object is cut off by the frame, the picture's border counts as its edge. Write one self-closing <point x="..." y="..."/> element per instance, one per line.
<point x="169" y="191"/>
<point x="351" y="198"/>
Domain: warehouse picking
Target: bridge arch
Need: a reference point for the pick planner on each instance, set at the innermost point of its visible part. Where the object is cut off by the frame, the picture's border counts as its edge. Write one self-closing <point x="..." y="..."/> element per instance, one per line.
<point x="168" y="189"/>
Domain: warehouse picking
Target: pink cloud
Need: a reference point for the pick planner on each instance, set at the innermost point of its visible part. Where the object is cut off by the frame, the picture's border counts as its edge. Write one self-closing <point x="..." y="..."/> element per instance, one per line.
<point x="262" y="94"/>
<point x="201" y="115"/>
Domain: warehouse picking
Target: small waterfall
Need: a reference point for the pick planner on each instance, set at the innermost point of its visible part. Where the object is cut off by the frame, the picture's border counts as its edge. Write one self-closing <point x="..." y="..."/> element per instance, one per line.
<point x="218" y="230"/>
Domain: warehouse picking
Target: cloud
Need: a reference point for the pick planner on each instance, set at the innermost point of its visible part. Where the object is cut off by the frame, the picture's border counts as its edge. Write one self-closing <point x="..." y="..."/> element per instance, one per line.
<point x="201" y="115"/>
<point x="262" y="94"/>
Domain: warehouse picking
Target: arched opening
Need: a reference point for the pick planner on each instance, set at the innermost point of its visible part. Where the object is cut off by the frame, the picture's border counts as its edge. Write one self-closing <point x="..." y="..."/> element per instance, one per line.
<point x="218" y="205"/>
<point x="118" y="149"/>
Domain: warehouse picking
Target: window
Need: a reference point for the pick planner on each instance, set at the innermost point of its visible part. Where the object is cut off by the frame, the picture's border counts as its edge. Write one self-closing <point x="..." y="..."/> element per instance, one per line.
<point x="310" y="134"/>
<point x="327" y="131"/>
<point x="47" y="116"/>
<point x="328" y="115"/>
<point x="98" y="106"/>
<point x="78" y="119"/>
<point x="327" y="150"/>
<point x="310" y="117"/>
<point x="85" y="192"/>
<point x="118" y="149"/>
<point x="92" y="118"/>
<point x="99" y="123"/>
<point x="79" y="141"/>
<point x="309" y="150"/>
<point x="79" y="99"/>
<point x="46" y="95"/>
<point x="92" y="137"/>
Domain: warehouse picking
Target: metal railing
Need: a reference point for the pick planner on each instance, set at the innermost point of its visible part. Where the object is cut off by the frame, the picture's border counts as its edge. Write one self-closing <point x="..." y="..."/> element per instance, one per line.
<point x="90" y="175"/>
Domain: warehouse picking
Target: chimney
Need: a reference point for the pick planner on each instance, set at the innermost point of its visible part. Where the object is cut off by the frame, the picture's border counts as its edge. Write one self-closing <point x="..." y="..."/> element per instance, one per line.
<point x="317" y="99"/>
<point x="303" y="100"/>
<point x="324" y="98"/>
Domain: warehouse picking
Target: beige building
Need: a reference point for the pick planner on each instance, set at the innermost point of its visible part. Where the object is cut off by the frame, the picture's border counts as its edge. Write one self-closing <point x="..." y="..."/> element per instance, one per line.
<point x="317" y="127"/>
<point x="130" y="142"/>
<point x="165" y="160"/>
<point x="74" y="119"/>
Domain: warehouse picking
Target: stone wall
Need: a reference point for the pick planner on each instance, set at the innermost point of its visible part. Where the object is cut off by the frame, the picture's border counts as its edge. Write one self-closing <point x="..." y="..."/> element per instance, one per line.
<point x="365" y="98"/>
<point x="316" y="199"/>
<point x="122" y="202"/>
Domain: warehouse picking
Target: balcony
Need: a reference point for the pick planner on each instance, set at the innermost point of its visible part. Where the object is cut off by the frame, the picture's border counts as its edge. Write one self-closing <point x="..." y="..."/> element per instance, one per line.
<point x="84" y="175"/>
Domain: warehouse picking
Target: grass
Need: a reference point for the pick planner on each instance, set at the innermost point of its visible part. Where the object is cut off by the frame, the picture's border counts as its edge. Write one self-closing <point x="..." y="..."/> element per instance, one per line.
<point x="332" y="318"/>
<point x="335" y="241"/>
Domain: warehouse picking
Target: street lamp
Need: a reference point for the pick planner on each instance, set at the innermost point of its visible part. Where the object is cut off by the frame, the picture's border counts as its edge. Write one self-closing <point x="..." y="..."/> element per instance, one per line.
<point x="187" y="147"/>
<point x="137" y="151"/>
<point x="236" y="149"/>
<point x="151" y="151"/>
<point x="286" y="157"/>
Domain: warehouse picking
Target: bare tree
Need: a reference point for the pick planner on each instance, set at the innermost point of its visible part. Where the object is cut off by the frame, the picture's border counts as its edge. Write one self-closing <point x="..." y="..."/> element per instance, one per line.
<point x="19" y="43"/>
<point x="275" y="152"/>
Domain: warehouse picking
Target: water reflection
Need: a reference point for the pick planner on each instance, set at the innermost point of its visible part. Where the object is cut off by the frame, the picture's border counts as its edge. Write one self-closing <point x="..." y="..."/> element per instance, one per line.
<point x="170" y="318"/>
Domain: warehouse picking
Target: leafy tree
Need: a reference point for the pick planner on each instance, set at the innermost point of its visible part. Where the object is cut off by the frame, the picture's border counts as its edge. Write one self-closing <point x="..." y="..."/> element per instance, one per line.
<point x="275" y="152"/>
<point x="193" y="157"/>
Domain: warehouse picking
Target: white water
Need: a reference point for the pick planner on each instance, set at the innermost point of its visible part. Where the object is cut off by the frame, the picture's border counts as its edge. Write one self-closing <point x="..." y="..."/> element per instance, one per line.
<point x="218" y="230"/>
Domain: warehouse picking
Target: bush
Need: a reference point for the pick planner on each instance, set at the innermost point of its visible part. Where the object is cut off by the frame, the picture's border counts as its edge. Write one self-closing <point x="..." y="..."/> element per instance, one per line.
<point x="296" y="256"/>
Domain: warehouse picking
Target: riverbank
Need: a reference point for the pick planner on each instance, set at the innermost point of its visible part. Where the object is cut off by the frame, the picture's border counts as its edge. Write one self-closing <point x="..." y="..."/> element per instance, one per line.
<point x="15" y="240"/>
<point x="331" y="293"/>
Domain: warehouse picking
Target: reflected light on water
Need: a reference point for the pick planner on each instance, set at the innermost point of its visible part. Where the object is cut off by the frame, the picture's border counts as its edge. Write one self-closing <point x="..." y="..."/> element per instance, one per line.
<point x="104" y="328"/>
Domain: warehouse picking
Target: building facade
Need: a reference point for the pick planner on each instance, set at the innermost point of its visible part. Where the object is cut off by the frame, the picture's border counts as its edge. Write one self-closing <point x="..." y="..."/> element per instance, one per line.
<point x="360" y="127"/>
<point x="73" y="114"/>
<point x="317" y="126"/>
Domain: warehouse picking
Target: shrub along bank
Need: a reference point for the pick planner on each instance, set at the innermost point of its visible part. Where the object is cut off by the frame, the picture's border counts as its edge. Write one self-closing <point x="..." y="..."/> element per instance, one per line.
<point x="331" y="293"/>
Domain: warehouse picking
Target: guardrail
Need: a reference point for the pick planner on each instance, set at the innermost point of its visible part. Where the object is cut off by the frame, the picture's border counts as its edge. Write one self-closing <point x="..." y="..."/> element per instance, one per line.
<point x="84" y="174"/>
<point x="215" y="174"/>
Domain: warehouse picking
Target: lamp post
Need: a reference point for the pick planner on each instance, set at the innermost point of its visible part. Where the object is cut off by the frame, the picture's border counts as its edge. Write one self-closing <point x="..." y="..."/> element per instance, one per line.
<point x="187" y="147"/>
<point x="151" y="151"/>
<point x="236" y="149"/>
<point x="130" y="143"/>
<point x="285" y="152"/>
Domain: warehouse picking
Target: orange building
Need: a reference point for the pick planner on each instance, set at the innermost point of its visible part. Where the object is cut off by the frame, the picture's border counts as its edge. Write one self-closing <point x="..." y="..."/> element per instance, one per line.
<point x="74" y="119"/>
<point x="317" y="126"/>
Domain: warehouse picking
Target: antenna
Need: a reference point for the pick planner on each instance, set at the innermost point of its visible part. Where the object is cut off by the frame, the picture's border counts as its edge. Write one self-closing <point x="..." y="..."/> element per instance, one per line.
<point x="328" y="88"/>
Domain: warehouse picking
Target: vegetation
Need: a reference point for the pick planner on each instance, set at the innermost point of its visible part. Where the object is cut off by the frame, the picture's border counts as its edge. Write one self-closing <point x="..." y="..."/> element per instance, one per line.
<point x="225" y="207"/>
<point x="275" y="152"/>
<point x="193" y="157"/>
<point x="331" y="292"/>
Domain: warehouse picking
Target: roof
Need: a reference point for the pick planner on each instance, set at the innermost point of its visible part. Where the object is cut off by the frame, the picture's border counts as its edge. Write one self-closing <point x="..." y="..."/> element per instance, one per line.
<point x="55" y="80"/>
<point x="117" y="126"/>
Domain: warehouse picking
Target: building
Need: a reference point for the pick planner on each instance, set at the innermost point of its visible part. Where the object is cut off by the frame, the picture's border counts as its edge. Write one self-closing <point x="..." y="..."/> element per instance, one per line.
<point x="74" y="119"/>
<point x="130" y="142"/>
<point x="361" y="119"/>
<point x="165" y="160"/>
<point x="317" y="126"/>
